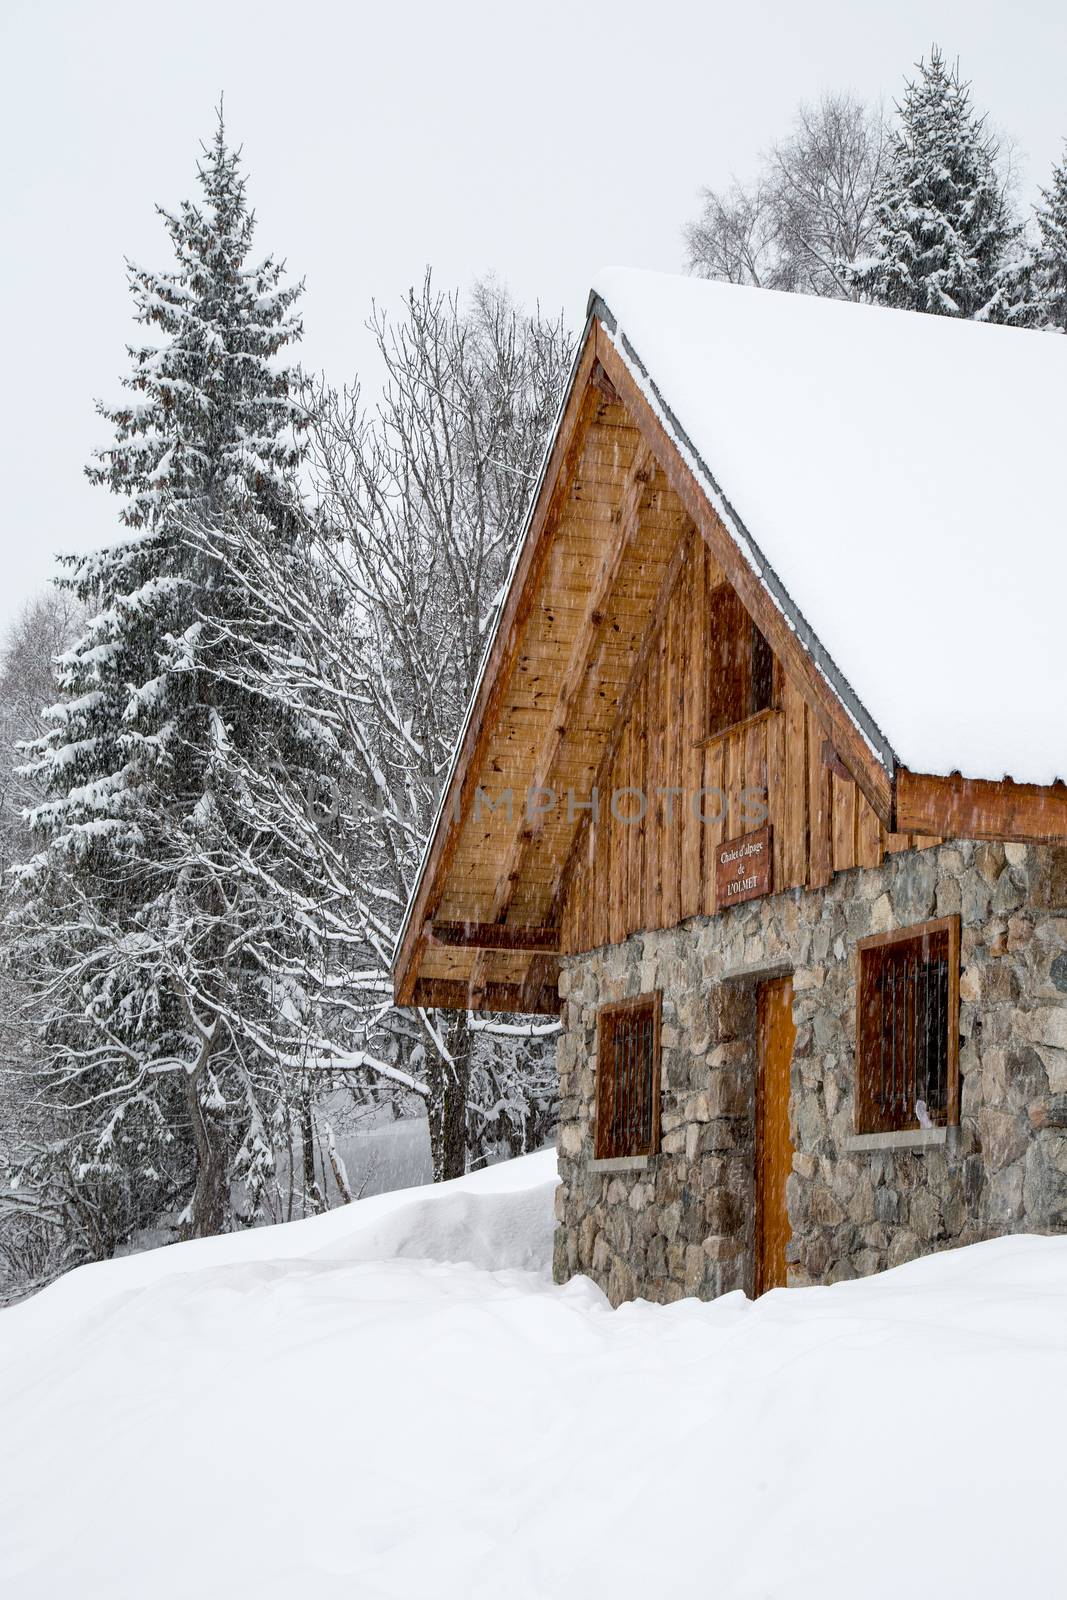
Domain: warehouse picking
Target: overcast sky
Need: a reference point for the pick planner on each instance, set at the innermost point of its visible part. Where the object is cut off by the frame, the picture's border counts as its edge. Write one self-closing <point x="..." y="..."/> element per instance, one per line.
<point x="538" y="142"/>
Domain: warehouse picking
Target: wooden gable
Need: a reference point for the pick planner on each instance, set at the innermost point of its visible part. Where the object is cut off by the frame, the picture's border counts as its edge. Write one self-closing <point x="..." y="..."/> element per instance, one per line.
<point x="598" y="680"/>
<point x="778" y="766"/>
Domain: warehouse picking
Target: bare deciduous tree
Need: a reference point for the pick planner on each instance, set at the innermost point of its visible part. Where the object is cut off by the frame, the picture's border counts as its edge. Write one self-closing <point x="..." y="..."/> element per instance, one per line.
<point x="735" y="238"/>
<point x="810" y="213"/>
<point x="824" y="178"/>
<point x="429" y="492"/>
<point x="373" y="636"/>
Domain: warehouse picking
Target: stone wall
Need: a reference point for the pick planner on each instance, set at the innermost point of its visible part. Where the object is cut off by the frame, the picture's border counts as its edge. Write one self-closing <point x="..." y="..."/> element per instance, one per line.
<point x="684" y="1225"/>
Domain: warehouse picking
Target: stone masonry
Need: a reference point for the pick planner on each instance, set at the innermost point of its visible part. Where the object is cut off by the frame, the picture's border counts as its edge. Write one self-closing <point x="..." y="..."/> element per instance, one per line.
<point x="684" y="1225"/>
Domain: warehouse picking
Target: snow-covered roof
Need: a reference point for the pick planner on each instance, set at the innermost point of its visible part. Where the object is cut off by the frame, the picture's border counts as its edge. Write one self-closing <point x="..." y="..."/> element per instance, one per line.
<point x="904" y="477"/>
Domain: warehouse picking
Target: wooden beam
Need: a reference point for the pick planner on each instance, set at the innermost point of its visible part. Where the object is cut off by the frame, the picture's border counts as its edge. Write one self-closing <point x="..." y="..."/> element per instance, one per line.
<point x="581" y="654"/>
<point x="976" y="808"/>
<point x="675" y="568"/>
<point x="831" y="759"/>
<point x="495" y="679"/>
<point x="600" y="380"/>
<point x="493" y="936"/>
<point x="539" y="988"/>
<point x="864" y="766"/>
<point x="453" y="994"/>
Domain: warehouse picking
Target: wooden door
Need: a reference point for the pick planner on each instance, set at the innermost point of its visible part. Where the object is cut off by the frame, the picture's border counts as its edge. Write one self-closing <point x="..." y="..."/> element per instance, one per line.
<point x="774" y="1149"/>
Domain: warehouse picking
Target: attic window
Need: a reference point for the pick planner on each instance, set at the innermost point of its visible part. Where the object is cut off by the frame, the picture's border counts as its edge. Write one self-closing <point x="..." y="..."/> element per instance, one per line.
<point x="628" y="1079"/>
<point x="907" y="1028"/>
<point x="740" y="664"/>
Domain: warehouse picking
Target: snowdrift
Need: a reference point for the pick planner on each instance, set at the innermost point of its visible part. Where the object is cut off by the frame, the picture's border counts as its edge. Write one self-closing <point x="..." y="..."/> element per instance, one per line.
<point x="393" y="1400"/>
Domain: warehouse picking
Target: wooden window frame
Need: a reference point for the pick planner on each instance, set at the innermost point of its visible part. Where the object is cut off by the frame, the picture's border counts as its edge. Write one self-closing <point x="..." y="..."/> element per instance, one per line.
<point x="607" y="1016"/>
<point x="711" y="660"/>
<point x="934" y="926"/>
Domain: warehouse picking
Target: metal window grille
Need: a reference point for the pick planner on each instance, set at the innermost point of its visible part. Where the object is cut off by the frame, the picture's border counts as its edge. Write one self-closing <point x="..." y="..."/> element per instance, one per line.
<point x="905" y="1032"/>
<point x="628" y="1079"/>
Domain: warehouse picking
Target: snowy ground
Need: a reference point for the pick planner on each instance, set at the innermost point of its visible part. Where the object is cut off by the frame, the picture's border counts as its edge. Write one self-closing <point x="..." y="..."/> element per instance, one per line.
<point x="393" y="1400"/>
<point x="379" y="1151"/>
<point x="385" y="1154"/>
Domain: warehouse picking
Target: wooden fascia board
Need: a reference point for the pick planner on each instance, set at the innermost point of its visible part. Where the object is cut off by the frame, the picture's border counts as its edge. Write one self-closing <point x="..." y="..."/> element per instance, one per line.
<point x="979" y="808"/>
<point x="496" y="675"/>
<point x="872" y="775"/>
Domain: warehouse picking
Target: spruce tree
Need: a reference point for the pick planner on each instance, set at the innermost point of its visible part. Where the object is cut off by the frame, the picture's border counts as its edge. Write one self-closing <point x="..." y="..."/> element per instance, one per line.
<point x="147" y="912"/>
<point x="946" y="239"/>
<point x="1050" y="258"/>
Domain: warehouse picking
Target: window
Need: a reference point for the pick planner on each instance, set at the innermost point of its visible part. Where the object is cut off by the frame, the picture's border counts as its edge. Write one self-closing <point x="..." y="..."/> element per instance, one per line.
<point x="907" y="1028"/>
<point x="627" y="1110"/>
<point x="740" y="663"/>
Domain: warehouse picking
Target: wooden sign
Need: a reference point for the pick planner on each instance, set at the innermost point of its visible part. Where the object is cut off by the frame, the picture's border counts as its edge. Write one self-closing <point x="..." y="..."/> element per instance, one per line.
<point x="744" y="868"/>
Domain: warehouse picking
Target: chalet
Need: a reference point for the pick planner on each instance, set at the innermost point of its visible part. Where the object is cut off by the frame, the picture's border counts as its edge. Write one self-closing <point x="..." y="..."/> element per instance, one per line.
<point x="761" y="790"/>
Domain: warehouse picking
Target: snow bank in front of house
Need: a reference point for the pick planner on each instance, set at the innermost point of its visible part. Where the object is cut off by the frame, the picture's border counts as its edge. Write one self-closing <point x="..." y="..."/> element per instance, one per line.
<point x="903" y="476"/>
<point x="380" y="1225"/>
<point x="349" y="1405"/>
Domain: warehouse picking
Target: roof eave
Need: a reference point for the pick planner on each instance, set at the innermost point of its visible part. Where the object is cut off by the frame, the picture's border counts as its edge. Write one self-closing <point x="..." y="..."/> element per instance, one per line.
<point x="410" y="934"/>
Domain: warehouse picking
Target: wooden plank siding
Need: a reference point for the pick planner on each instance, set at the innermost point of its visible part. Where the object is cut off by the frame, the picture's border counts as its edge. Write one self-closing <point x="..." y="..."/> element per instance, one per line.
<point x="635" y="877"/>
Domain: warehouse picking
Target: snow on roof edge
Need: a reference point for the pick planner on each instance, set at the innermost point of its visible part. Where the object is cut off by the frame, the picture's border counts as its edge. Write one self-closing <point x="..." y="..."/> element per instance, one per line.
<point x="843" y="691"/>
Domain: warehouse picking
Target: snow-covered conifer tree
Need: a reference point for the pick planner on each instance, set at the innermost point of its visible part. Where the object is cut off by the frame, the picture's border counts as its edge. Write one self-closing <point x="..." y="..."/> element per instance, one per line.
<point x="946" y="241"/>
<point x="147" y="912"/>
<point x="1050" y="257"/>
